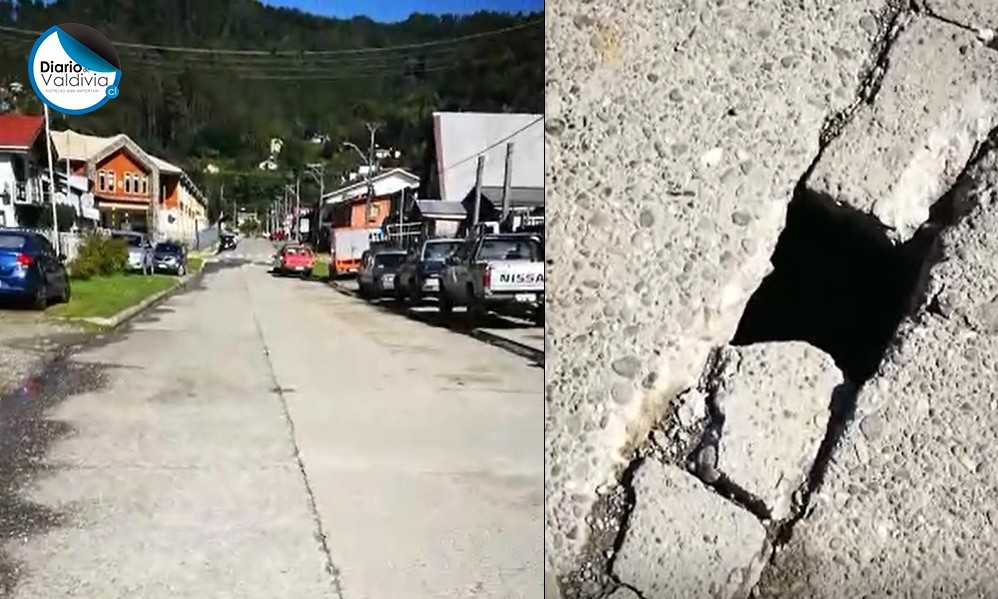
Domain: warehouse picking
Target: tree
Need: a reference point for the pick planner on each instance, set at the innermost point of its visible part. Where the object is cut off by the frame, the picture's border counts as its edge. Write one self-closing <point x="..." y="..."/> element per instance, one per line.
<point x="228" y="107"/>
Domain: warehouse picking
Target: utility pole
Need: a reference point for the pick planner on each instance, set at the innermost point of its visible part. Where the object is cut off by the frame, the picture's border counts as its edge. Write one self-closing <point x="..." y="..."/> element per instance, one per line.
<point x="478" y="191"/>
<point x="370" y="172"/>
<point x="507" y="181"/>
<point x="55" y="212"/>
<point x="298" y="207"/>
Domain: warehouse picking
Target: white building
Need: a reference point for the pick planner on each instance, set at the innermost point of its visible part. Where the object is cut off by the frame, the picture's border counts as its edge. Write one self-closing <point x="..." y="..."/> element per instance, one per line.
<point x="386" y="183"/>
<point x="22" y="165"/>
<point x="461" y="137"/>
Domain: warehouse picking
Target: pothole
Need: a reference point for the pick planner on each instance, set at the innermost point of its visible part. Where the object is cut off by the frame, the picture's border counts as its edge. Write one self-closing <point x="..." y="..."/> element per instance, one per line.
<point x="838" y="283"/>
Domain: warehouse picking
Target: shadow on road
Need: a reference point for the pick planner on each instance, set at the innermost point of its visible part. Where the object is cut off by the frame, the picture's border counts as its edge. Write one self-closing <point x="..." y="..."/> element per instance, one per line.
<point x="26" y="433"/>
<point x="429" y="314"/>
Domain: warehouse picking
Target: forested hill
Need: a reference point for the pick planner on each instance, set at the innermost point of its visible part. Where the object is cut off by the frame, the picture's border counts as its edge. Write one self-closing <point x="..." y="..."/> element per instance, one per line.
<point x="308" y="76"/>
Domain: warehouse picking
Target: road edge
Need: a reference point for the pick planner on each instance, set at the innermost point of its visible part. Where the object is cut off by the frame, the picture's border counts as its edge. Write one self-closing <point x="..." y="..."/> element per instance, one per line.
<point x="520" y="349"/>
<point x="122" y="317"/>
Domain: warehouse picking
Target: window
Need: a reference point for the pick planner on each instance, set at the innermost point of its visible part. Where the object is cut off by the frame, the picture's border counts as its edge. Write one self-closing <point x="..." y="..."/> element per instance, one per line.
<point x="145" y="185"/>
<point x="101" y="181"/>
<point x="110" y="181"/>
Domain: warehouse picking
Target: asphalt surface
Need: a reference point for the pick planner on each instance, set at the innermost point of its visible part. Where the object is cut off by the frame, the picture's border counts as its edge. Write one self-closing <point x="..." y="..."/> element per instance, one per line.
<point x="268" y="437"/>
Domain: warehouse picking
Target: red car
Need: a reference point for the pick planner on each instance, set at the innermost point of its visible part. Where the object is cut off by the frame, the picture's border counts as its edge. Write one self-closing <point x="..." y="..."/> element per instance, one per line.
<point x="294" y="259"/>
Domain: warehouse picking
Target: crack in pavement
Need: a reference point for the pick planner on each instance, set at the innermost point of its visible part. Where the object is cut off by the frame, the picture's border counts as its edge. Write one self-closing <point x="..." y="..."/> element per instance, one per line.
<point x="320" y="535"/>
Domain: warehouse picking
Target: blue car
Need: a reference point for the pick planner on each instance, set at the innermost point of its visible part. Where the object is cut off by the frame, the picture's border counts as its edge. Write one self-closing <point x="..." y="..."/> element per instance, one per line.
<point x="30" y="270"/>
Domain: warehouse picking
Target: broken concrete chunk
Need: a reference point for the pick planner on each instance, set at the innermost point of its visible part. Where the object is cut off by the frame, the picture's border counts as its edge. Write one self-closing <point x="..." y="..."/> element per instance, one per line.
<point x="623" y="593"/>
<point x="731" y="118"/>
<point x="774" y="398"/>
<point x="907" y="511"/>
<point x="685" y="541"/>
<point x="937" y="101"/>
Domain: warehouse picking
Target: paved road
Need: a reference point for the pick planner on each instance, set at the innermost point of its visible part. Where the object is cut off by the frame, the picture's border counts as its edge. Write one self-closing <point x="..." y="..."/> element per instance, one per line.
<point x="263" y="437"/>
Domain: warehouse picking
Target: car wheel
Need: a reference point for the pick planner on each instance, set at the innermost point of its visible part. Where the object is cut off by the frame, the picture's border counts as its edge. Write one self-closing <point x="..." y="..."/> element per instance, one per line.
<point x="41" y="299"/>
<point x="446" y="303"/>
<point x="476" y="310"/>
<point x="67" y="293"/>
<point x="181" y="271"/>
<point x="399" y="296"/>
<point x="306" y="275"/>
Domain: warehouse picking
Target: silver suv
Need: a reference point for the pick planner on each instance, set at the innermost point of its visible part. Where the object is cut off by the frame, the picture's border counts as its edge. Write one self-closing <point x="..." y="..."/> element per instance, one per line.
<point x="140" y="251"/>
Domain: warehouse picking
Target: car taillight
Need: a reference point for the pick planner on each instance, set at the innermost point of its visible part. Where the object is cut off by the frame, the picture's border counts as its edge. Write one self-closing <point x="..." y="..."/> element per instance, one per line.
<point x="487" y="277"/>
<point x="24" y="260"/>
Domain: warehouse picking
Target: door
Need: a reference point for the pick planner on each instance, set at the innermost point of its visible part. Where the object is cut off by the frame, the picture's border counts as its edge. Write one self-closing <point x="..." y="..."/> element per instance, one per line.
<point x="366" y="262"/>
<point x="48" y="262"/>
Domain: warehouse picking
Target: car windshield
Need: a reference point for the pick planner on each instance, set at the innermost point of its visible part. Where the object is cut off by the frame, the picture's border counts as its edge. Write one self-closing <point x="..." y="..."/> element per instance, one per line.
<point x="12" y="242"/>
<point x="132" y="240"/>
<point x="389" y="260"/>
<point x="438" y="252"/>
<point x="296" y="251"/>
<point x="510" y="249"/>
<point x="168" y="248"/>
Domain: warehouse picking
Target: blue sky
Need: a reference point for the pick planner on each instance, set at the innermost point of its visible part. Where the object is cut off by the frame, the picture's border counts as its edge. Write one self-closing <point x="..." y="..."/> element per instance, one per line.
<point x="399" y="10"/>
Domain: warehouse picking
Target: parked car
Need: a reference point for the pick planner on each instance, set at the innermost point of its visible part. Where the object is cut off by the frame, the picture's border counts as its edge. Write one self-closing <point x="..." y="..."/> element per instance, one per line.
<point x="294" y="259"/>
<point x="226" y="241"/>
<point x="503" y="273"/>
<point x="170" y="257"/>
<point x="378" y="269"/>
<point x="140" y="251"/>
<point x="30" y="270"/>
<point x="419" y="276"/>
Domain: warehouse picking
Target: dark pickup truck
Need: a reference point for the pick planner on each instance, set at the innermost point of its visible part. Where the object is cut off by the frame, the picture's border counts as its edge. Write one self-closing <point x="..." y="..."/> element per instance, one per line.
<point x="419" y="276"/>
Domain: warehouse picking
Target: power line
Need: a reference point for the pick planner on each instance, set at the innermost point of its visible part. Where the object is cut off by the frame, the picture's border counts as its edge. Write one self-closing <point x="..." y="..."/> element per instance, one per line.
<point x="496" y="144"/>
<point x="344" y="52"/>
<point x="268" y="61"/>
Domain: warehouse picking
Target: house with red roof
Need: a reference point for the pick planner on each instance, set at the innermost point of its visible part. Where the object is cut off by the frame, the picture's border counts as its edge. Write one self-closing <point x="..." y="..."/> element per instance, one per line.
<point x="22" y="166"/>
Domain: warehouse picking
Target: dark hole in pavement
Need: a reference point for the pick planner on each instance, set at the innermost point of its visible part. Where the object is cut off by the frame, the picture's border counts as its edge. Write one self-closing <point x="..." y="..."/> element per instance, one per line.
<point x="837" y="283"/>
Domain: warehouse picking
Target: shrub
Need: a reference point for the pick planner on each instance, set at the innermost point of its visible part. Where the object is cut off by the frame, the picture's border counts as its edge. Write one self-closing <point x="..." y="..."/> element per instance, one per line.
<point x="99" y="256"/>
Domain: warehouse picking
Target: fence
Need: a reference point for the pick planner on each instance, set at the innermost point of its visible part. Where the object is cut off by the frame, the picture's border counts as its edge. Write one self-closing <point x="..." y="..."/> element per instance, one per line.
<point x="404" y="236"/>
<point x="205" y="238"/>
<point x="69" y="242"/>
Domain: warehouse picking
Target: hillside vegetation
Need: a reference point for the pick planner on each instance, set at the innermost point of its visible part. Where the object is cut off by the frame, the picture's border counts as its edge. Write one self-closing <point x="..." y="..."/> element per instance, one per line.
<point x="199" y="106"/>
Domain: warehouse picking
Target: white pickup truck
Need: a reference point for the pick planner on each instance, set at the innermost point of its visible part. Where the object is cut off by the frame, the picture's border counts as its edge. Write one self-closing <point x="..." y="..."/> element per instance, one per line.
<point x="503" y="273"/>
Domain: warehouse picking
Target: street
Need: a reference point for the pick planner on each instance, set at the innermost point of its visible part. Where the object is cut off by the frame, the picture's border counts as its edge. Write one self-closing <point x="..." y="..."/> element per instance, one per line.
<point x="270" y="437"/>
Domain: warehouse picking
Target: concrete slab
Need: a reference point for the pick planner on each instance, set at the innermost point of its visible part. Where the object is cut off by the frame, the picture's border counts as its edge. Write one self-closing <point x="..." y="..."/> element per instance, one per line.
<point x="976" y="14"/>
<point x="936" y="103"/>
<point x="685" y="541"/>
<point x="676" y="134"/>
<point x="215" y="447"/>
<point x="423" y="446"/>
<point x="774" y="398"/>
<point x="907" y="509"/>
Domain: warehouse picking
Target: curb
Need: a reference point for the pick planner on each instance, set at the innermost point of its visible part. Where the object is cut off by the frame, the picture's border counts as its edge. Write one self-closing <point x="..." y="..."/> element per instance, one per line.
<point x="520" y="349"/>
<point x="340" y="289"/>
<point x="113" y="322"/>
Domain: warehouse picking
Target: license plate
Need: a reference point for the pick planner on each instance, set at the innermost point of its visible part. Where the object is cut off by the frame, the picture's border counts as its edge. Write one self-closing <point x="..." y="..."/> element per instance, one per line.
<point x="388" y="281"/>
<point x="525" y="298"/>
<point x="299" y="268"/>
<point x="431" y="285"/>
